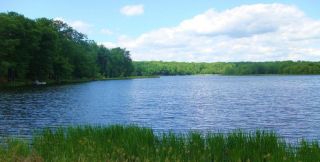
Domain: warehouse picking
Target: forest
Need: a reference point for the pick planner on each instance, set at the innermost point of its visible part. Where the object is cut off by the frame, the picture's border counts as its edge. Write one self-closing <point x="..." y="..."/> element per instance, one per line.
<point x="45" y="49"/>
<point x="226" y="68"/>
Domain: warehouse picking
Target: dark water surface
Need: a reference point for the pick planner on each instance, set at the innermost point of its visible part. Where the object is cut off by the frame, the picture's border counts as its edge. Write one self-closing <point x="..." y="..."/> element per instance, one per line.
<point x="289" y="105"/>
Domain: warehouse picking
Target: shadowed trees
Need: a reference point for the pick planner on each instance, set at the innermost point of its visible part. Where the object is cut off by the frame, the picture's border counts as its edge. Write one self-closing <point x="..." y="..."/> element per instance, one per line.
<point x="45" y="49"/>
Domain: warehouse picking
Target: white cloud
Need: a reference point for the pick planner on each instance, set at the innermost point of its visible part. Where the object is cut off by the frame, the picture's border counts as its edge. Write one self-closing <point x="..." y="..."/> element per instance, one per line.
<point x="79" y="25"/>
<point x="257" y="32"/>
<point x="106" y="31"/>
<point x="59" y="19"/>
<point x="109" y="44"/>
<point x="132" y="10"/>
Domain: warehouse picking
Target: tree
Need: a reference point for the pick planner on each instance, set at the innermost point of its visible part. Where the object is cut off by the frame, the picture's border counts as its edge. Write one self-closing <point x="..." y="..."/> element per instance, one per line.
<point x="41" y="65"/>
<point x="44" y="49"/>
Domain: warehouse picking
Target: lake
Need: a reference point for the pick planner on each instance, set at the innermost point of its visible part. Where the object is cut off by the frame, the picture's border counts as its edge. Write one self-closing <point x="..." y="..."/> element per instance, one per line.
<point x="289" y="105"/>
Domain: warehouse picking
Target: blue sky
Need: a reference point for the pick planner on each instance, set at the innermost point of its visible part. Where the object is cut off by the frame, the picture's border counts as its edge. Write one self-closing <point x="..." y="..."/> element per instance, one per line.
<point x="104" y="22"/>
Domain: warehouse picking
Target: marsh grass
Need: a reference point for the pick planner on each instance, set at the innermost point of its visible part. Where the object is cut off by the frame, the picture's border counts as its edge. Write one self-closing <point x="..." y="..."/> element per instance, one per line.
<point x="132" y="143"/>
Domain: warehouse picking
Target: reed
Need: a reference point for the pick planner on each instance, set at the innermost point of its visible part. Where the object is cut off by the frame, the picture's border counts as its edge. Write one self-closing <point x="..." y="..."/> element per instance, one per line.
<point x="133" y="143"/>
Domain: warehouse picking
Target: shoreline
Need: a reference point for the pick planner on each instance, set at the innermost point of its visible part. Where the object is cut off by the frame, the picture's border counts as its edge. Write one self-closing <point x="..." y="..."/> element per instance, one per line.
<point x="29" y="84"/>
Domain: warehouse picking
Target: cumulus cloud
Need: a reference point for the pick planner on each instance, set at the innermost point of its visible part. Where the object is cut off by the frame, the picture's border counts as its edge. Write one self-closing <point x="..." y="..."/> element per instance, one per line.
<point x="108" y="44"/>
<point x="79" y="25"/>
<point x="132" y="10"/>
<point x="259" y="32"/>
<point x="59" y="19"/>
<point x="106" y="31"/>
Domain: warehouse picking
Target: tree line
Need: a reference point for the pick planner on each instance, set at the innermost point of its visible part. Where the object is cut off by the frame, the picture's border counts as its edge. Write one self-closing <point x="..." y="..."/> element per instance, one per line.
<point x="226" y="68"/>
<point x="46" y="49"/>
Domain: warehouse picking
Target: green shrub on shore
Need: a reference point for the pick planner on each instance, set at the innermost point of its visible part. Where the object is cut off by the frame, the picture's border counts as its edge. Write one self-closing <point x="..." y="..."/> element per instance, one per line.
<point x="132" y="143"/>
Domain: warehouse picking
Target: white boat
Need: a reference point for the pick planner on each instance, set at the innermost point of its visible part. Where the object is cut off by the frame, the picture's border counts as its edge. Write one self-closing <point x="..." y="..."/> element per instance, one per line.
<point x="37" y="82"/>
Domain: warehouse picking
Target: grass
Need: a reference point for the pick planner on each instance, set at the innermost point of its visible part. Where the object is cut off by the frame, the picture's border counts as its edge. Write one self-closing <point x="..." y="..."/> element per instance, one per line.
<point x="132" y="143"/>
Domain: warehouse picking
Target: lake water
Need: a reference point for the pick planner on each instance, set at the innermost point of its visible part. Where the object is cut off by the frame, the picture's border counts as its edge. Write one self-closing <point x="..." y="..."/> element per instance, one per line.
<point x="289" y="105"/>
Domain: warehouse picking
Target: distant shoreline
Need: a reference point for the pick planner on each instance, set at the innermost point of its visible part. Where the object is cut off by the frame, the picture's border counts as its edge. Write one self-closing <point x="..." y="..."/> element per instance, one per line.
<point x="227" y="68"/>
<point x="21" y="84"/>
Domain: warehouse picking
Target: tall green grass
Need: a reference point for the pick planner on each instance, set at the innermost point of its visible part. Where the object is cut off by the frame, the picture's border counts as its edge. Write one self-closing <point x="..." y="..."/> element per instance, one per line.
<point x="132" y="143"/>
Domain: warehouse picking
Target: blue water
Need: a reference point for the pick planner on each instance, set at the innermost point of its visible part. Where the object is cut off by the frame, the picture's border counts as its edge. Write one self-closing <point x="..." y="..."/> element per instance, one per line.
<point x="288" y="105"/>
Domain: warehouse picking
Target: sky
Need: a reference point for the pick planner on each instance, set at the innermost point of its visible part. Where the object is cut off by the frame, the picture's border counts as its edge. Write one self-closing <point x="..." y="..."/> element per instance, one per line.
<point x="188" y="30"/>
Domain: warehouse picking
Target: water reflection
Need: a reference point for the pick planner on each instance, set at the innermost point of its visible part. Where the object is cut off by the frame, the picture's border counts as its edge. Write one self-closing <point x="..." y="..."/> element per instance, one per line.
<point x="287" y="104"/>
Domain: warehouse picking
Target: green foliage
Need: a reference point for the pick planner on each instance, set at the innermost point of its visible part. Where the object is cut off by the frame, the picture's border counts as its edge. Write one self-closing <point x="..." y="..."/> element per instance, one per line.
<point x="51" y="50"/>
<point x="132" y="143"/>
<point x="44" y="49"/>
<point x="278" y="67"/>
<point x="232" y="68"/>
<point x="178" y="68"/>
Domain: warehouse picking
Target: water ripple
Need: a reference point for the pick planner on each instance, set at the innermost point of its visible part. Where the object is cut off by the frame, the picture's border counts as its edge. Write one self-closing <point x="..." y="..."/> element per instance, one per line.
<point x="288" y="105"/>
